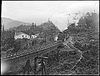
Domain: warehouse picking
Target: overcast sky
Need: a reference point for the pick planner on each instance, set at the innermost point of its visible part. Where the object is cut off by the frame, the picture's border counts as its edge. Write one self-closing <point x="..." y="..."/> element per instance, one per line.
<point x="40" y="11"/>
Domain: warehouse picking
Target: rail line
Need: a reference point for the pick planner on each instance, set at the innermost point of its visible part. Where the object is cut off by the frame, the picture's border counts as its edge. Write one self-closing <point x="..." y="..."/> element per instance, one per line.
<point x="33" y="52"/>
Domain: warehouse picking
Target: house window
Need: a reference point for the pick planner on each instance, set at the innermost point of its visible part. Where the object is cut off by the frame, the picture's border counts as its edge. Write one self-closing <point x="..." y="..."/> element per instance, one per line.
<point x="26" y="36"/>
<point x="22" y="35"/>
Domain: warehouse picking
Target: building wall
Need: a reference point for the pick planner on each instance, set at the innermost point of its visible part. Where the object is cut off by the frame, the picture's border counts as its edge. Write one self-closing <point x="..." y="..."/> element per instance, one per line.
<point x="21" y="36"/>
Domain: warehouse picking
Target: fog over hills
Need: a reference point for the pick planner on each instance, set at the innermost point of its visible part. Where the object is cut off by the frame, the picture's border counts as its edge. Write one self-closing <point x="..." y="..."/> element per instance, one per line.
<point x="39" y="11"/>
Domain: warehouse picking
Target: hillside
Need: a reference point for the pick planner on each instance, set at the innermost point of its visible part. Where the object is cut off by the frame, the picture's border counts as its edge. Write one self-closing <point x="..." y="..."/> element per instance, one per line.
<point x="10" y="23"/>
<point x="49" y="27"/>
<point x="86" y="38"/>
<point x="20" y="28"/>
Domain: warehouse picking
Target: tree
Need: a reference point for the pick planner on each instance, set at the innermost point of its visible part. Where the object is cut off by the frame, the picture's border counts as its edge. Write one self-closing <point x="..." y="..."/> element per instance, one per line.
<point x="7" y="39"/>
<point x="27" y="68"/>
<point x="17" y="45"/>
<point x="33" y="25"/>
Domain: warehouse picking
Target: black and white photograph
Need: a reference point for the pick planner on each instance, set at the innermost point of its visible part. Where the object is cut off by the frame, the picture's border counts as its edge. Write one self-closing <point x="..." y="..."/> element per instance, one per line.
<point x="50" y="37"/>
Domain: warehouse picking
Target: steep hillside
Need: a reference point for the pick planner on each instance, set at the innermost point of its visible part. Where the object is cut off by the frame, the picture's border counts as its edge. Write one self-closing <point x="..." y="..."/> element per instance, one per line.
<point x="49" y="27"/>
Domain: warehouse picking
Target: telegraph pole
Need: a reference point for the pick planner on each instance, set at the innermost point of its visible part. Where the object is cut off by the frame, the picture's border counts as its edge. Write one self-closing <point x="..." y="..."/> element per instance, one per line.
<point x="58" y="50"/>
<point x="3" y="28"/>
<point x="35" y="65"/>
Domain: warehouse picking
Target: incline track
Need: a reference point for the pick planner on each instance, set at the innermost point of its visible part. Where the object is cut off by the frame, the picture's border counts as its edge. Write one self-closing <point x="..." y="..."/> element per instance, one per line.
<point x="31" y="53"/>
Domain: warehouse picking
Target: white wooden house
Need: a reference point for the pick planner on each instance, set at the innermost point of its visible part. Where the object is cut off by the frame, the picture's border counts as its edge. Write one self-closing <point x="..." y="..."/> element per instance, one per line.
<point x="21" y="35"/>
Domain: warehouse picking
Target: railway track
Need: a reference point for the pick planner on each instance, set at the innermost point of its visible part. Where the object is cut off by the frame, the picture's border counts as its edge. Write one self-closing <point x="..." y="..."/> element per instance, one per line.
<point x="31" y="53"/>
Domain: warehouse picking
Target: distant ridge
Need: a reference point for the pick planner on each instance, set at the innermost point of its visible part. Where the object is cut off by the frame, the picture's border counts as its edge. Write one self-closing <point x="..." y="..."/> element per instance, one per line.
<point x="10" y="23"/>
